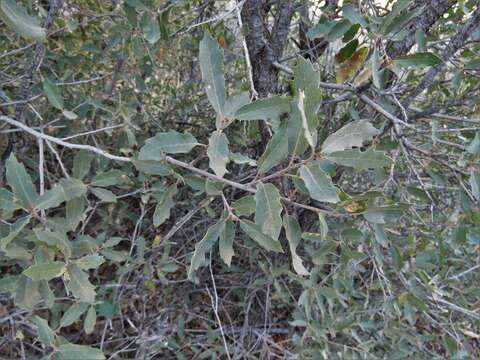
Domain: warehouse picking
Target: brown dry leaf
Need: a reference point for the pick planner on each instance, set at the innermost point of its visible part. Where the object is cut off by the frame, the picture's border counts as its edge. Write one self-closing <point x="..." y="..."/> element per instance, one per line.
<point x="346" y="69"/>
<point x="353" y="207"/>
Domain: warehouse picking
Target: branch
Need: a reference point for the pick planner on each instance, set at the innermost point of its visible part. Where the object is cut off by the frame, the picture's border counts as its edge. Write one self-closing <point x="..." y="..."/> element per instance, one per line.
<point x="168" y="159"/>
<point x="453" y="46"/>
<point x="433" y="10"/>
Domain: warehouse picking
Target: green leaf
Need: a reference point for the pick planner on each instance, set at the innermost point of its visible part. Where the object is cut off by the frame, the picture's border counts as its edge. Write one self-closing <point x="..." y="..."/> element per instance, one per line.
<point x="26" y="293"/>
<point x="234" y="103"/>
<point x="225" y="244"/>
<point x="13" y="231"/>
<point x="104" y="194"/>
<point x="323" y="226"/>
<point x="268" y="209"/>
<point x="45" y="271"/>
<point x="21" y="183"/>
<point x="420" y="59"/>
<point x="45" y="334"/>
<point x="54" y="238"/>
<point x="338" y="30"/>
<point x="7" y="201"/>
<point x="90" y="319"/>
<point x="475" y="184"/>
<point x="241" y="159"/>
<point x="276" y="150"/>
<point x="66" y="189"/>
<point x="203" y="246"/>
<point x="330" y="31"/>
<point x="269" y="108"/>
<point x="171" y="142"/>
<point x="81" y="164"/>
<point x="307" y="80"/>
<point x="72" y="188"/>
<point x="73" y="314"/>
<point x="70" y="115"/>
<point x="79" y="352"/>
<point x="109" y="178"/>
<point x="397" y="8"/>
<point x="151" y="167"/>
<point x="350" y="12"/>
<point x="255" y="233"/>
<point x="53" y="95"/>
<point x="218" y="153"/>
<point x="347" y="51"/>
<point x="399" y="22"/>
<point x="137" y="5"/>
<point x="47" y="294"/>
<point x="244" y="206"/>
<point x="309" y="136"/>
<point x="80" y="285"/>
<point x="16" y="18"/>
<point x="51" y="198"/>
<point x="354" y="134"/>
<point x="376" y="69"/>
<point x="293" y="233"/>
<point x="472" y="65"/>
<point x="211" y="66"/>
<point x="213" y="187"/>
<point x="360" y="160"/>
<point x="90" y="262"/>
<point x="474" y="146"/>
<point x="164" y="205"/>
<point x="383" y="214"/>
<point x="150" y="27"/>
<point x="318" y="183"/>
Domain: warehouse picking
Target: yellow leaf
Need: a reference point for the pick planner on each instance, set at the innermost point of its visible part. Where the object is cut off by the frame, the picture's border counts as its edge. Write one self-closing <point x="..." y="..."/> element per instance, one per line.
<point x="349" y="67"/>
<point x="363" y="77"/>
<point x="222" y="41"/>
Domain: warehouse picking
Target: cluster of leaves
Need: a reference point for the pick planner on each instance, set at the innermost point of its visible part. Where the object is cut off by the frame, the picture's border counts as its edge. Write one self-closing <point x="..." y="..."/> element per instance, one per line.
<point x="367" y="280"/>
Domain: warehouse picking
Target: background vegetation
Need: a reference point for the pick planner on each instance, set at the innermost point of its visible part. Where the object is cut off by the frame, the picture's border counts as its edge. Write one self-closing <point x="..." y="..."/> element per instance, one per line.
<point x="239" y="180"/>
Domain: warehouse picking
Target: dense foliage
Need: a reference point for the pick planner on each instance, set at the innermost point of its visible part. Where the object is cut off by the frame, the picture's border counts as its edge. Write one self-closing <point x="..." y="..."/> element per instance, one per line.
<point x="254" y="179"/>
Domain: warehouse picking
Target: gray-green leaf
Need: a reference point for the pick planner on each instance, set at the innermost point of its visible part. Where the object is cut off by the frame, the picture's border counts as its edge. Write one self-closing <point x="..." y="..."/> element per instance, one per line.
<point x="45" y="271"/>
<point x="19" y="21"/>
<point x="354" y="134"/>
<point x="318" y="183"/>
<point x="90" y="319"/>
<point x="79" y="352"/>
<point x="270" y="108"/>
<point x="53" y="95"/>
<point x="475" y="184"/>
<point x="80" y="285"/>
<point x="162" y="210"/>
<point x="255" y="233"/>
<point x="360" y="160"/>
<point x="108" y="178"/>
<point x="225" y="244"/>
<point x="54" y="238"/>
<point x="21" y="183"/>
<point x="150" y="27"/>
<point x="171" y="142"/>
<point x="45" y="334"/>
<point x="73" y="313"/>
<point x="211" y="66"/>
<point x="276" y="150"/>
<point x="203" y="246"/>
<point x="104" y="194"/>
<point x="420" y="59"/>
<point x="268" y="209"/>
<point x="90" y="262"/>
<point x="293" y="233"/>
<point x="218" y="153"/>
